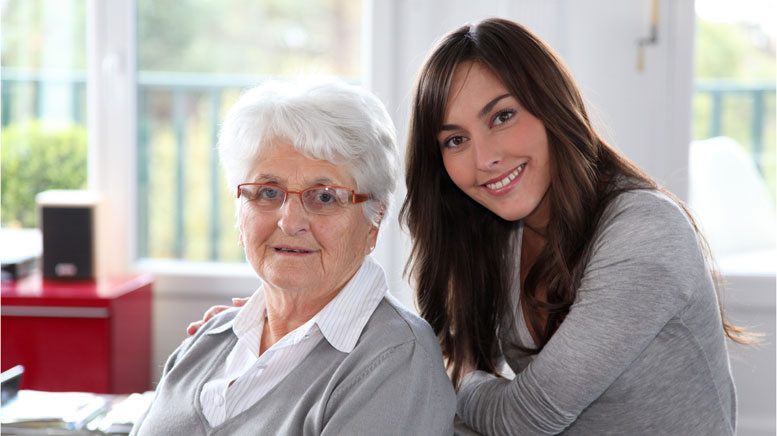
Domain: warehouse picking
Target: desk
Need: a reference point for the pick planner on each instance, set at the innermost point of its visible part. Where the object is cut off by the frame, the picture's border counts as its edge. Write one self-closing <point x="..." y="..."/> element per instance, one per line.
<point x="81" y="335"/>
<point x="35" y="413"/>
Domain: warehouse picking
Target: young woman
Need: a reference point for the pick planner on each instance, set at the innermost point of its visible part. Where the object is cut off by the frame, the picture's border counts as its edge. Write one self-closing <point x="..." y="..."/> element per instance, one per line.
<point x="536" y="243"/>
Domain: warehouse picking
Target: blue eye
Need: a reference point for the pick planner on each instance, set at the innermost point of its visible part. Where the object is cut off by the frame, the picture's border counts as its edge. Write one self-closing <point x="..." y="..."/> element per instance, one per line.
<point x="325" y="197"/>
<point x="326" y="200"/>
<point x="268" y="193"/>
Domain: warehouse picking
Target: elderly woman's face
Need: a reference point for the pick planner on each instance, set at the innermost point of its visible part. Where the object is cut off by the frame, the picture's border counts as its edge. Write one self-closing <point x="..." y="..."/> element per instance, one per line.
<point x="292" y="249"/>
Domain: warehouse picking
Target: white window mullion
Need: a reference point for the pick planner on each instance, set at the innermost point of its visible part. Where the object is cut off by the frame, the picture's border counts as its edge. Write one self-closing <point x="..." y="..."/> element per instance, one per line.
<point x="111" y="96"/>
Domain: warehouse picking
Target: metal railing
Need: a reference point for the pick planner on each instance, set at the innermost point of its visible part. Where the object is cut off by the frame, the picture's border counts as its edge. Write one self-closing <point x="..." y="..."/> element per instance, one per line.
<point x="722" y="90"/>
<point x="33" y="81"/>
<point x="183" y="87"/>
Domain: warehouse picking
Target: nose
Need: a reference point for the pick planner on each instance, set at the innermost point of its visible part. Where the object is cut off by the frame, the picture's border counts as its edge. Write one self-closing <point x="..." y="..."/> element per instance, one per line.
<point x="294" y="218"/>
<point x="487" y="154"/>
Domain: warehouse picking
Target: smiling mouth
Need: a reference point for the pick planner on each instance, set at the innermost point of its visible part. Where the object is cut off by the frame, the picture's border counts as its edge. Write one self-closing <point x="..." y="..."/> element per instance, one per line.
<point x="507" y="179"/>
<point x="292" y="250"/>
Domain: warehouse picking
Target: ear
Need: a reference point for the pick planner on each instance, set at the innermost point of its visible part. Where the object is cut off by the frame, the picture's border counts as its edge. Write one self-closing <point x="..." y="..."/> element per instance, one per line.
<point x="372" y="239"/>
<point x="240" y="240"/>
<point x="373" y="233"/>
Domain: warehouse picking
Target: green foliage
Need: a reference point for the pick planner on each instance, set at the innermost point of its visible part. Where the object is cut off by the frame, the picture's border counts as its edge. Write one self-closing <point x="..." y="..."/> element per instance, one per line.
<point x="36" y="159"/>
<point x="727" y="50"/>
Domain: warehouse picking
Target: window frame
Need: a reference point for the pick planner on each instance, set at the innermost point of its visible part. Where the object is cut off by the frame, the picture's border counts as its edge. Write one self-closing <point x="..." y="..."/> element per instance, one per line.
<point x="113" y="164"/>
<point x="111" y="137"/>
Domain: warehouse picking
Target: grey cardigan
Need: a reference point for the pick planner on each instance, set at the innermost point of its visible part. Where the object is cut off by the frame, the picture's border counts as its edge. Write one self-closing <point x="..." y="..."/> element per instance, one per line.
<point x="393" y="382"/>
<point x="642" y="350"/>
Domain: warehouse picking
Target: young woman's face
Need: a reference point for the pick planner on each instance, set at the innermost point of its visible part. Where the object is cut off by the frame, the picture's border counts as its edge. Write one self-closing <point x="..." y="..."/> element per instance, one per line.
<point x="492" y="148"/>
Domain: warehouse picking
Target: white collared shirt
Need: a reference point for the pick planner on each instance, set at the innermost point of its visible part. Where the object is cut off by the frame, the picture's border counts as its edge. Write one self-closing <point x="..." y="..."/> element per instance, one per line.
<point x="340" y="322"/>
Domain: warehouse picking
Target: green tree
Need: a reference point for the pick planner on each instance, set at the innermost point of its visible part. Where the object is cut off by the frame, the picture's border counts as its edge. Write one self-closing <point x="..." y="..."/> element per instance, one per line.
<point x="733" y="51"/>
<point x="36" y="159"/>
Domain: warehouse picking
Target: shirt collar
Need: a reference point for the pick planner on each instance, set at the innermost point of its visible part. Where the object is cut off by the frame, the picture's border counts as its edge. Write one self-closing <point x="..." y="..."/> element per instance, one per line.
<point x="251" y="315"/>
<point x="343" y="319"/>
<point x="247" y="319"/>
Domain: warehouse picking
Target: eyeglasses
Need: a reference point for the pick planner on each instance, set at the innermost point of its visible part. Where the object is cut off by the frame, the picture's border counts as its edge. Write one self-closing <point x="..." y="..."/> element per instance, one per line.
<point x="319" y="200"/>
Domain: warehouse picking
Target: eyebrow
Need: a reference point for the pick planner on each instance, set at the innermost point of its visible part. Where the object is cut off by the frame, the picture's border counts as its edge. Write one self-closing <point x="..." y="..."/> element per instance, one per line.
<point x="264" y="178"/>
<point x="271" y="178"/>
<point x="486" y="109"/>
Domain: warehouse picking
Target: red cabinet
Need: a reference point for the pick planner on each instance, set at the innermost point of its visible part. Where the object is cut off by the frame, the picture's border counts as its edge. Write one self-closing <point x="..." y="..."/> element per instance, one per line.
<point x="85" y="335"/>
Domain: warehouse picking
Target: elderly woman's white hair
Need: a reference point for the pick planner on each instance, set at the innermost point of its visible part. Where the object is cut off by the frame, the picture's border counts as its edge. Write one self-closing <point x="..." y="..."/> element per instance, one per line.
<point x="323" y="119"/>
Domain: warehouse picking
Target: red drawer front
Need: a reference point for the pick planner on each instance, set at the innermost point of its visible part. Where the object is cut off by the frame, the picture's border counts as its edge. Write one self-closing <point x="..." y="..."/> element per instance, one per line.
<point x="58" y="353"/>
<point x="83" y="335"/>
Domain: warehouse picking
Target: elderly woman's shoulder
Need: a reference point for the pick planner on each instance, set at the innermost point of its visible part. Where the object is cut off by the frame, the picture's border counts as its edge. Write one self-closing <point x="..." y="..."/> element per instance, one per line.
<point x="220" y="322"/>
<point x="392" y="324"/>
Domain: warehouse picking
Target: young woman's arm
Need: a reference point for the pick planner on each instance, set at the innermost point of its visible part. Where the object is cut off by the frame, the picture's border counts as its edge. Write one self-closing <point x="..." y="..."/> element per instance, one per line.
<point x="644" y="271"/>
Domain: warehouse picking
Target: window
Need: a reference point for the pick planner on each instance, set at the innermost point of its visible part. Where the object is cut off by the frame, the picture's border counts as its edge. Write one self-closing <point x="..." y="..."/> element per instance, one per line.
<point x="733" y="156"/>
<point x="43" y="103"/>
<point x="194" y="58"/>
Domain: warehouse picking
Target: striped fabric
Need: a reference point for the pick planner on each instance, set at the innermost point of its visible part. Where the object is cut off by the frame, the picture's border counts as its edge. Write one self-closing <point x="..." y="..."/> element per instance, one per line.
<point x="340" y="322"/>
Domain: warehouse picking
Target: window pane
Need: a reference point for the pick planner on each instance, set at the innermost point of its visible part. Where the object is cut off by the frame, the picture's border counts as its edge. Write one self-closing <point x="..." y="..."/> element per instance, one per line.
<point x="194" y="57"/>
<point x="43" y="103"/>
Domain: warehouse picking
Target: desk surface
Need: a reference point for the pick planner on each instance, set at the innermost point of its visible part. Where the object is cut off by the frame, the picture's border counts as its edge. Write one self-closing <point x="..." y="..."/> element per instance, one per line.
<point x="35" y="290"/>
<point x="72" y="413"/>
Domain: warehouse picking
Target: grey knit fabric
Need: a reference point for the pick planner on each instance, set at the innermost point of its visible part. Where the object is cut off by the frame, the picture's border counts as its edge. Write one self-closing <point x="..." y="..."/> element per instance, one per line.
<point x="642" y="350"/>
<point x="393" y="382"/>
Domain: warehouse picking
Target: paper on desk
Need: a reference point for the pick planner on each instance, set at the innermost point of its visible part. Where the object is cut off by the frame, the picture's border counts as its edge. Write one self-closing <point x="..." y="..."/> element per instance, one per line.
<point x="123" y="414"/>
<point x="69" y="410"/>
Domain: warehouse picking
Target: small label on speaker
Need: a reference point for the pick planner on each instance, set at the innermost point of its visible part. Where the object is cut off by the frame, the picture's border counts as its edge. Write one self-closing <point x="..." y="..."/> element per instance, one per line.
<point x="65" y="270"/>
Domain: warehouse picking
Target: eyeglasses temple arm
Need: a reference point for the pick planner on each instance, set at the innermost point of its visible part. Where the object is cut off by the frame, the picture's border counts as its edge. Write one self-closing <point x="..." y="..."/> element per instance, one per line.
<point x="359" y="198"/>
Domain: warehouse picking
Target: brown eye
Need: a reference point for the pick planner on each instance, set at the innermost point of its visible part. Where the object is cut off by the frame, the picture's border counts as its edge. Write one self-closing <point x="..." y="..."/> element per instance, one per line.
<point x="454" y="142"/>
<point x="502" y="117"/>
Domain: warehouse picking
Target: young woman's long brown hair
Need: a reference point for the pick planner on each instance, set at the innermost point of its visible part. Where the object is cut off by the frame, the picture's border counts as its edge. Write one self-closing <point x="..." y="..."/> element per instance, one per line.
<point x="460" y="260"/>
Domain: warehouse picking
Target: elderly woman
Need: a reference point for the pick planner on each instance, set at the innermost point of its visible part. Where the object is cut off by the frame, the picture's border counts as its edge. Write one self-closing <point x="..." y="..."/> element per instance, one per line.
<point x="321" y="347"/>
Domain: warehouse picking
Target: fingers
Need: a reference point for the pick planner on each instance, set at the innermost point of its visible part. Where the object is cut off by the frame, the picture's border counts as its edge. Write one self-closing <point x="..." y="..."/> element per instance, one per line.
<point x="193" y="327"/>
<point x="213" y="311"/>
<point x="210" y="313"/>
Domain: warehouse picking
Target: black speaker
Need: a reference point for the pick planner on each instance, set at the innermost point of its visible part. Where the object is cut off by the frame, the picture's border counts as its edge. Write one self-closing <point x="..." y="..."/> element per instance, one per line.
<point x="67" y="227"/>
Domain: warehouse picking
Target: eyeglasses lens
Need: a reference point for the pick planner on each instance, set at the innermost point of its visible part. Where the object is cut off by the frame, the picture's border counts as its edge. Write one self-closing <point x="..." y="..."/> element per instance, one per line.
<point x="322" y="201"/>
<point x="325" y="201"/>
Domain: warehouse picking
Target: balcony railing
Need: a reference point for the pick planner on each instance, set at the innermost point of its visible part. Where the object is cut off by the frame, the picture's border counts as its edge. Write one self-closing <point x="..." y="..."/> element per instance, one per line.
<point x="184" y="89"/>
<point x="721" y="92"/>
<point x="188" y="105"/>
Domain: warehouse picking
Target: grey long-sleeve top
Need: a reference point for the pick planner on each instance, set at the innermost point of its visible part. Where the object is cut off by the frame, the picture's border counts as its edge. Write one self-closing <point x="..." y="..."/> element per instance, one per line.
<point x="642" y="350"/>
<point x="392" y="382"/>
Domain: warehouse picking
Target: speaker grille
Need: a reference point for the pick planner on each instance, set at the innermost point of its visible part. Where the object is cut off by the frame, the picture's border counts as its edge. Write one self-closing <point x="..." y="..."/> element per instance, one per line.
<point x="67" y="242"/>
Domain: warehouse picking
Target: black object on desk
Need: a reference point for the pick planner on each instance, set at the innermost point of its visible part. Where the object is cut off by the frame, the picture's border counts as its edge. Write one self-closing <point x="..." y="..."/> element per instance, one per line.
<point x="67" y="226"/>
<point x="10" y="381"/>
<point x="15" y="269"/>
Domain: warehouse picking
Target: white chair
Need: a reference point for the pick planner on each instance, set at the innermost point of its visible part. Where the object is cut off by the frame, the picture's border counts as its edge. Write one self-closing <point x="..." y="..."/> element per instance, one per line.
<point x="730" y="198"/>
